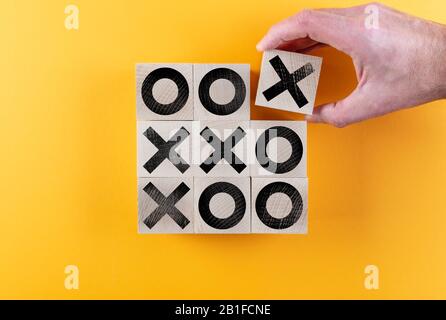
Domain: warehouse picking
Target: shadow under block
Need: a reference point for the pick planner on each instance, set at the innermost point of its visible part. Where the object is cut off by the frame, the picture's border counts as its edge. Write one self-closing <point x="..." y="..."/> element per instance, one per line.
<point x="222" y="205"/>
<point x="223" y="148"/>
<point x="164" y="91"/>
<point x="221" y="92"/>
<point x="278" y="149"/>
<point x="165" y="205"/>
<point x="279" y="205"/>
<point x="288" y="81"/>
<point x="164" y="148"/>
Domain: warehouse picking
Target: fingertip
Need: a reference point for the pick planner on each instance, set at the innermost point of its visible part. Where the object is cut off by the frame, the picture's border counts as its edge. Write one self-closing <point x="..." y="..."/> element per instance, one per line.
<point x="311" y="118"/>
<point x="263" y="45"/>
<point x="259" y="47"/>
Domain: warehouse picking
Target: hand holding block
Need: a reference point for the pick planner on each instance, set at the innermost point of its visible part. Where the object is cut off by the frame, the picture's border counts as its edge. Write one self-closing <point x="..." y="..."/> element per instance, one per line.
<point x="222" y="149"/>
<point x="222" y="205"/>
<point x="165" y="205"/>
<point x="164" y="92"/>
<point x="164" y="148"/>
<point x="221" y="92"/>
<point x="288" y="81"/>
<point x="278" y="149"/>
<point x="279" y="205"/>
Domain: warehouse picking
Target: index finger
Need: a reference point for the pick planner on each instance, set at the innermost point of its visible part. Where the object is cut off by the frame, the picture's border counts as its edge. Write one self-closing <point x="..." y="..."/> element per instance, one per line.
<point x="322" y="26"/>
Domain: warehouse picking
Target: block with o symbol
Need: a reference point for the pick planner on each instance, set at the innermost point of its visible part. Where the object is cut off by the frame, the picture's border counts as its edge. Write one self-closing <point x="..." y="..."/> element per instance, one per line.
<point x="221" y="92"/>
<point x="222" y="205"/>
<point x="279" y="205"/>
<point x="164" y="91"/>
<point x="278" y="148"/>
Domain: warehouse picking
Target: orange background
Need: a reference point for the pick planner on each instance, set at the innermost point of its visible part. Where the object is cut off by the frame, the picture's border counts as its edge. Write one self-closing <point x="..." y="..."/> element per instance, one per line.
<point x="68" y="177"/>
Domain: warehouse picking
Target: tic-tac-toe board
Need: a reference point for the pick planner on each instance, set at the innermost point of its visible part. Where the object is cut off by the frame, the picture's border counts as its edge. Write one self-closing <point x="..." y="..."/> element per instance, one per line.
<point x="203" y="166"/>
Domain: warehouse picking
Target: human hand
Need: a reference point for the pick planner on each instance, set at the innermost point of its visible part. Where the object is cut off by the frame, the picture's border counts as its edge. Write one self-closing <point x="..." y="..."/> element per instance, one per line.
<point x="400" y="61"/>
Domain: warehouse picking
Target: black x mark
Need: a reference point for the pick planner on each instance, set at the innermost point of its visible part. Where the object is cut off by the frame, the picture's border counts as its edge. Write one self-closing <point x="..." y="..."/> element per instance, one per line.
<point x="223" y="149"/>
<point x="166" y="205"/>
<point x="288" y="81"/>
<point x="166" y="150"/>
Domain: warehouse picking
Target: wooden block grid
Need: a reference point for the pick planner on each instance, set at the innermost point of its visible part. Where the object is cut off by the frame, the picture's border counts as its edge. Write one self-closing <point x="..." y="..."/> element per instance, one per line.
<point x="253" y="200"/>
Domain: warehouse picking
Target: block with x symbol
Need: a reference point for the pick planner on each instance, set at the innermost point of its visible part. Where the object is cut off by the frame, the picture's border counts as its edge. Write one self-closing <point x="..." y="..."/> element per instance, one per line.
<point x="165" y="148"/>
<point x="223" y="149"/>
<point x="288" y="81"/>
<point x="165" y="205"/>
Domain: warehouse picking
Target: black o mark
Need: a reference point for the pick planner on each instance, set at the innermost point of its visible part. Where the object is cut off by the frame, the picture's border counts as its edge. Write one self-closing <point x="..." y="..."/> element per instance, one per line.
<point x="216" y="108"/>
<point x="209" y="217"/>
<point x="296" y="208"/>
<point x="296" y="149"/>
<point x="161" y="108"/>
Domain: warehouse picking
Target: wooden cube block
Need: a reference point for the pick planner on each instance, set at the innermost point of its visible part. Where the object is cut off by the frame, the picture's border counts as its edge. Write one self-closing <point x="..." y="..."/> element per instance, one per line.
<point x="288" y="81"/>
<point x="221" y="149"/>
<point x="278" y="148"/>
<point x="279" y="205"/>
<point x="222" y="205"/>
<point x="164" y="148"/>
<point x="221" y="91"/>
<point x="165" y="205"/>
<point x="164" y="92"/>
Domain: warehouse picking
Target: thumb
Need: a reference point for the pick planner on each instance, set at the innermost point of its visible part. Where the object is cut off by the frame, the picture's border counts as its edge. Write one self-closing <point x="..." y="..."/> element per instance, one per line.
<point x="353" y="108"/>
